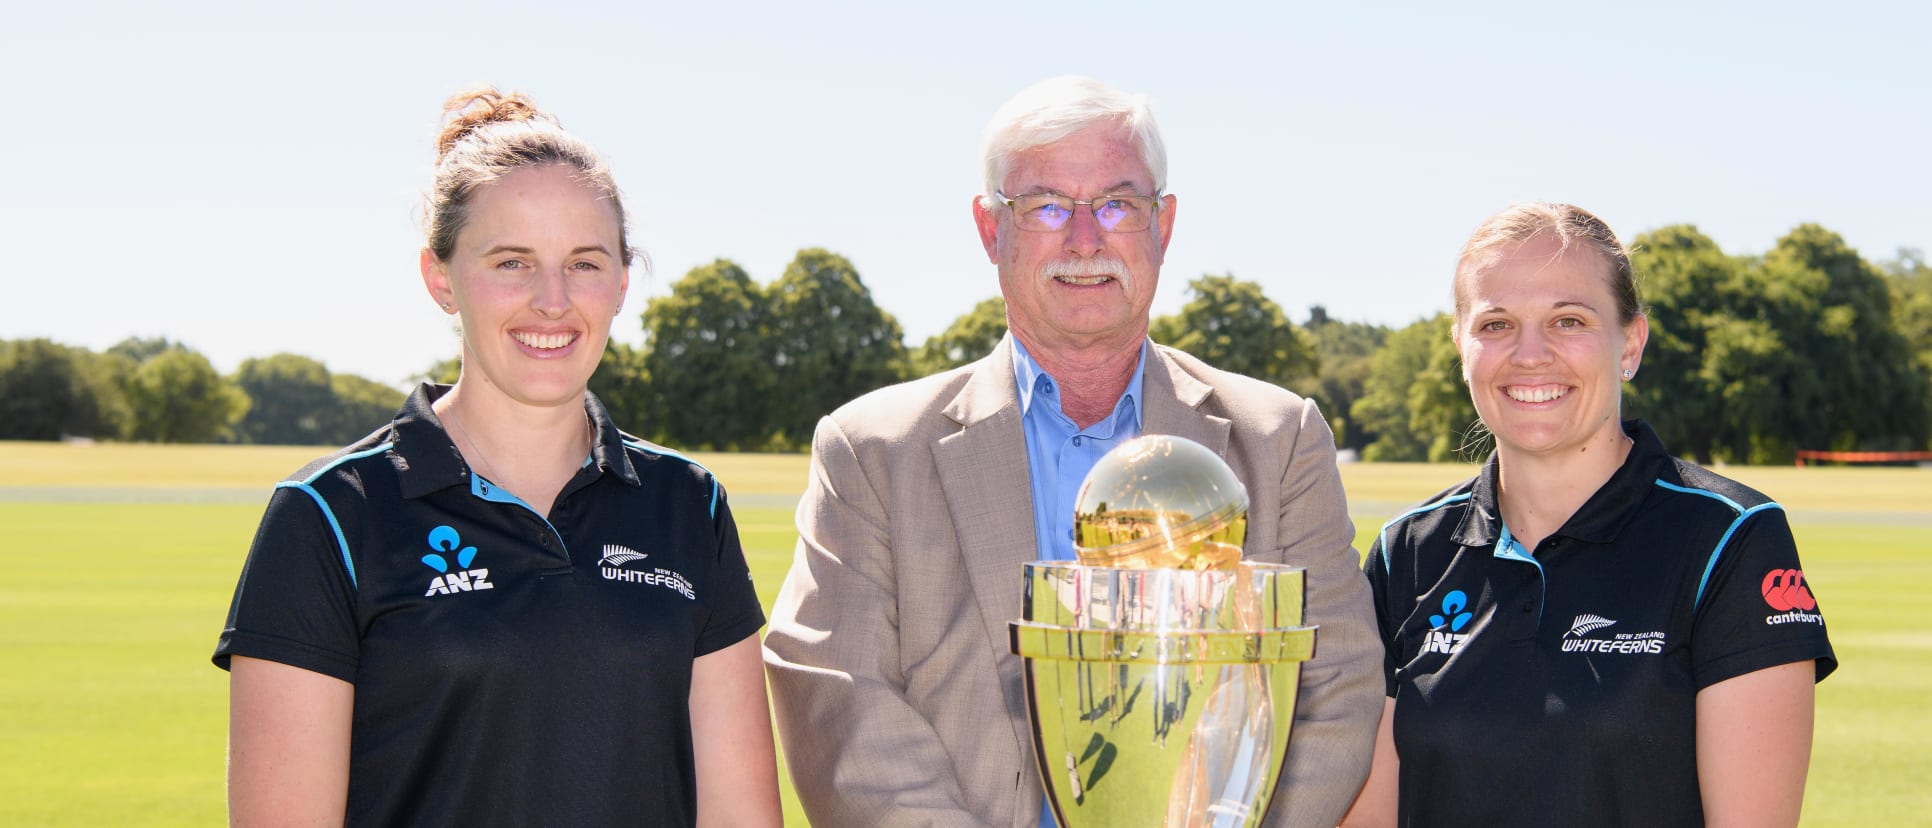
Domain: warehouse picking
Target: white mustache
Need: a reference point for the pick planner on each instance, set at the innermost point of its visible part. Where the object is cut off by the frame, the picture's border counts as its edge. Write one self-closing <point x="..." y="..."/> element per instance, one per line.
<point x="1086" y="268"/>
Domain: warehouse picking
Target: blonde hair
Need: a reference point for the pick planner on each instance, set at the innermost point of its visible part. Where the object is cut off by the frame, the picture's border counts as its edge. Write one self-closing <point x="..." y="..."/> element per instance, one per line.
<point x="1523" y="221"/>
<point x="488" y="134"/>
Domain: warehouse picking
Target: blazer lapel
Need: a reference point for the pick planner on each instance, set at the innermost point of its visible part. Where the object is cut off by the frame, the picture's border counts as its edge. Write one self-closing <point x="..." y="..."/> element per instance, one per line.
<point x="983" y="470"/>
<point x="1173" y="405"/>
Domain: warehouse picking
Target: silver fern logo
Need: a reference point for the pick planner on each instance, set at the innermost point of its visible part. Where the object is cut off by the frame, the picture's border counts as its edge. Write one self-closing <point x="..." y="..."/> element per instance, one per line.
<point x="1577" y="640"/>
<point x="1586" y="623"/>
<point x="617" y="554"/>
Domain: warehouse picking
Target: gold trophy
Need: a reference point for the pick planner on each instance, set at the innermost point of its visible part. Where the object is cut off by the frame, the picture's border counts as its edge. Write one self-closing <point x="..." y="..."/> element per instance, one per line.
<point x="1161" y="670"/>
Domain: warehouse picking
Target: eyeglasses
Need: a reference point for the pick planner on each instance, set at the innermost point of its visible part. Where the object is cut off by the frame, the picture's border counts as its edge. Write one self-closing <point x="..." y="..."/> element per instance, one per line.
<point x="1050" y="212"/>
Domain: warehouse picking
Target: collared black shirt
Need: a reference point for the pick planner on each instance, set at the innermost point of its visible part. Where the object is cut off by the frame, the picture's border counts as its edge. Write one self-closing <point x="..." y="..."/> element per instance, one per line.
<point x="1557" y="686"/>
<point x="508" y="668"/>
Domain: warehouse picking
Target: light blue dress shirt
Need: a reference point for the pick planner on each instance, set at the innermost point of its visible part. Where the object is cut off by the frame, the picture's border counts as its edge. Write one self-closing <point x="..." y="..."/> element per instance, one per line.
<point x="1059" y="454"/>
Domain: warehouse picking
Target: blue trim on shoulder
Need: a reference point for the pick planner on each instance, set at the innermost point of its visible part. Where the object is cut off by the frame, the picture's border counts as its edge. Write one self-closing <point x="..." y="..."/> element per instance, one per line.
<point x="664" y="452"/>
<point x="369" y="452"/>
<point x="341" y="543"/>
<point x="1705" y="492"/>
<point x="306" y="486"/>
<point x="1427" y="507"/>
<point x="1743" y="514"/>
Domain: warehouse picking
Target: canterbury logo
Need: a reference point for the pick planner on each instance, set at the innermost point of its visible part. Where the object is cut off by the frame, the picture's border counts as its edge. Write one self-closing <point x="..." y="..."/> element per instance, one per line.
<point x="617" y="554"/>
<point x="1785" y="590"/>
<point x="1586" y="623"/>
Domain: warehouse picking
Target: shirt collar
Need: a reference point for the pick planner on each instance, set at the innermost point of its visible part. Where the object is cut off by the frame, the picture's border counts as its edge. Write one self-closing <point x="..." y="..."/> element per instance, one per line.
<point x="1028" y="375"/>
<point x="607" y="450"/>
<point x="1600" y="518"/>
<point x="427" y="460"/>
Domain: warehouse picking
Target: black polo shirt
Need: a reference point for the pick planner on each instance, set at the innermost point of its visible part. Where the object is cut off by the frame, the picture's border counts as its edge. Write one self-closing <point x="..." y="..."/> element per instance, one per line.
<point x="1558" y="687"/>
<point x="508" y="669"/>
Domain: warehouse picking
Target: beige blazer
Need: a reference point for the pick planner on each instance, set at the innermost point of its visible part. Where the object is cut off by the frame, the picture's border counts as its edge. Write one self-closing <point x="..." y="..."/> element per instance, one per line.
<point x="897" y="699"/>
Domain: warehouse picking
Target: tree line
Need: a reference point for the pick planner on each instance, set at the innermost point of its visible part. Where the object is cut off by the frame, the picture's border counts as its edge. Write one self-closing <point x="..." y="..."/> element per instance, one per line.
<point x="1751" y="357"/>
<point x="155" y="390"/>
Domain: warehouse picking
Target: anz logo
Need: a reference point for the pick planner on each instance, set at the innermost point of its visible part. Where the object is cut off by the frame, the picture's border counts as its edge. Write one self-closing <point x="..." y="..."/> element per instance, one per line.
<point x="1453" y="618"/>
<point x="445" y="540"/>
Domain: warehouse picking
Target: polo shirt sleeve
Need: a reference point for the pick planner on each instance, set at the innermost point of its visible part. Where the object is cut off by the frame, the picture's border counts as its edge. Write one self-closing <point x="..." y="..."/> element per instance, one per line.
<point x="295" y="603"/>
<point x="1375" y="566"/>
<point x="732" y="601"/>
<point x="1754" y="608"/>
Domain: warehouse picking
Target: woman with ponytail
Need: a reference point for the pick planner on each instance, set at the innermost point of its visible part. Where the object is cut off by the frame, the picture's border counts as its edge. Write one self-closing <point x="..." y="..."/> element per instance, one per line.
<point x="498" y="608"/>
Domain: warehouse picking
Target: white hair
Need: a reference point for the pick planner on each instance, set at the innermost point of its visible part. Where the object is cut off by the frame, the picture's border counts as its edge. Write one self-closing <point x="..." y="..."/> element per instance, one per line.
<point x="1058" y="107"/>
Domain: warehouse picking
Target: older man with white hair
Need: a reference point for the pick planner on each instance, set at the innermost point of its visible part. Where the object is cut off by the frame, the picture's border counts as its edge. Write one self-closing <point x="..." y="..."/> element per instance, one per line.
<point x="898" y="700"/>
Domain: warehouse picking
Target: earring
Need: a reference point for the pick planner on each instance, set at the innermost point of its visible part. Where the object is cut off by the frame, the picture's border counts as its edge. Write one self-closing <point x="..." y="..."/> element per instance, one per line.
<point x="1627" y="374"/>
<point x="446" y="310"/>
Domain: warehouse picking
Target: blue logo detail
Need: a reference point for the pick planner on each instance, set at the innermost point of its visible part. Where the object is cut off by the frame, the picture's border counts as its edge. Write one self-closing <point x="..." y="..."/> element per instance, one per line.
<point x="444" y="539"/>
<point x="1452" y="604"/>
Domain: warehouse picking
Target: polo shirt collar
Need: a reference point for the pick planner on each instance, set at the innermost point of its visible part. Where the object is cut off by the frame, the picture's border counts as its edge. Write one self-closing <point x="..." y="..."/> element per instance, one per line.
<point x="607" y="451"/>
<point x="1600" y="519"/>
<point x="1027" y="375"/>
<point x="427" y="460"/>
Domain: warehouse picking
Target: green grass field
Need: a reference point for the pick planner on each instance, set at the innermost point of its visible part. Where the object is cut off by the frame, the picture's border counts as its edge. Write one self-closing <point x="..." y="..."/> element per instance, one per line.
<point x="118" y="560"/>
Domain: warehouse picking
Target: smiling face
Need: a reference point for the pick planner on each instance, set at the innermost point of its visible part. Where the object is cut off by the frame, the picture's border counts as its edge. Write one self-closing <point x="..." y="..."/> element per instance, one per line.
<point x="1543" y="350"/>
<point x="1077" y="287"/>
<point x="537" y="273"/>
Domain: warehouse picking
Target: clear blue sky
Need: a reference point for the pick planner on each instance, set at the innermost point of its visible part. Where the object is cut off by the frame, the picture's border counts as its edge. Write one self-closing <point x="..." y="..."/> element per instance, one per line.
<point x="245" y="177"/>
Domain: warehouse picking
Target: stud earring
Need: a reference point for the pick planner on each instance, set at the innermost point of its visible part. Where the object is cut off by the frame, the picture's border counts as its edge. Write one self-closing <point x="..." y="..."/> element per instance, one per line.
<point x="1627" y="374"/>
<point x="446" y="306"/>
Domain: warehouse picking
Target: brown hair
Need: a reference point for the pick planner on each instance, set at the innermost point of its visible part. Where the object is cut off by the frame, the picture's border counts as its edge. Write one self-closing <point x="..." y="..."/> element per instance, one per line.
<point x="1523" y="221"/>
<point x="488" y="134"/>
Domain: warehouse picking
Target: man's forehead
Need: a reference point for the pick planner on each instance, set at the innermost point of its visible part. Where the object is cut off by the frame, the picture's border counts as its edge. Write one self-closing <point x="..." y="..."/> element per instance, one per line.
<point x="1095" y="160"/>
<point x="1119" y="189"/>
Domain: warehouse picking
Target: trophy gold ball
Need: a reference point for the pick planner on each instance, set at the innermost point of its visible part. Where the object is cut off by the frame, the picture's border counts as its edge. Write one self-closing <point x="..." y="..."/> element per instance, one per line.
<point x="1161" y="668"/>
<point x="1160" y="502"/>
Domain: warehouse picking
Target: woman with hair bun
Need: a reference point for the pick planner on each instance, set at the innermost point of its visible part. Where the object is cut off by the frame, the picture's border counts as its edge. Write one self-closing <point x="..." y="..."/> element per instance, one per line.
<point x="1590" y="632"/>
<point x="499" y="608"/>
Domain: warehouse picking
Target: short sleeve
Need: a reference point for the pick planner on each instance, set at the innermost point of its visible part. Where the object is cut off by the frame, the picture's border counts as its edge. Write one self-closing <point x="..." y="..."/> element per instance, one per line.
<point x="732" y="600"/>
<point x="1754" y="607"/>
<point x="295" y="602"/>
<point x="1375" y="566"/>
